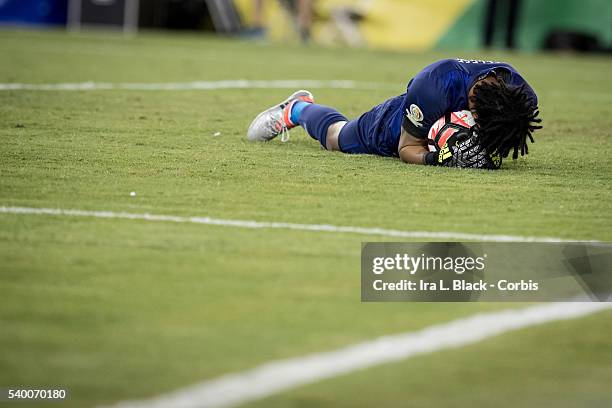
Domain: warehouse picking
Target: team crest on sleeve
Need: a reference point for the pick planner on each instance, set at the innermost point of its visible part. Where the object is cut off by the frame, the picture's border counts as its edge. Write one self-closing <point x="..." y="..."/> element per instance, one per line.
<point x="415" y="115"/>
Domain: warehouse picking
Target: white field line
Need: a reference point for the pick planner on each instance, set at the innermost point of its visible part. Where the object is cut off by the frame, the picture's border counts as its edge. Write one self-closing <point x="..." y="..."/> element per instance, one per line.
<point x="202" y="85"/>
<point x="278" y="376"/>
<point x="441" y="235"/>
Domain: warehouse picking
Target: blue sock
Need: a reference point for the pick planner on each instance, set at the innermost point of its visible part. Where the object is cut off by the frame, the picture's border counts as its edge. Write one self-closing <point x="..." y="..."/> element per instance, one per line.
<point x="296" y="110"/>
<point x="316" y="119"/>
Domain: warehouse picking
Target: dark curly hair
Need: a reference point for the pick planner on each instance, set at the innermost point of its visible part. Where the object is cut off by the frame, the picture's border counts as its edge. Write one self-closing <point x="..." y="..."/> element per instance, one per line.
<point x="505" y="117"/>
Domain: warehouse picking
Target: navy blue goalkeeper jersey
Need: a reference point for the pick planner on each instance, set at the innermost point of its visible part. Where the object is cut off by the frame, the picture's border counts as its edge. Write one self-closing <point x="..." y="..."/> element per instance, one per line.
<point x="439" y="88"/>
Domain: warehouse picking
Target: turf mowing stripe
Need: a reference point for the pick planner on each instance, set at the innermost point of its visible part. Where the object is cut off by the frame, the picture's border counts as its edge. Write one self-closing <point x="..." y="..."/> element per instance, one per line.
<point x="278" y="376"/>
<point x="442" y="235"/>
<point x="201" y="85"/>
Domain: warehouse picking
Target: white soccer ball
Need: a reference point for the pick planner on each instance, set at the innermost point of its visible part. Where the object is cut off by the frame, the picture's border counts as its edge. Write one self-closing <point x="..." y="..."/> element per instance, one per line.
<point x="447" y="126"/>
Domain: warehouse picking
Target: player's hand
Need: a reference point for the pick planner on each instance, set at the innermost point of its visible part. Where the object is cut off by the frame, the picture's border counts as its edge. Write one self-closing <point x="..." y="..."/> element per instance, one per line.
<point x="464" y="150"/>
<point x="446" y="156"/>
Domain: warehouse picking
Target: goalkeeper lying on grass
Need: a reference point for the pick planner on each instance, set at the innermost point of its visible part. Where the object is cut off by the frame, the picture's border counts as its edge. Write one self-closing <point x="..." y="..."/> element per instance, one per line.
<point x="502" y="103"/>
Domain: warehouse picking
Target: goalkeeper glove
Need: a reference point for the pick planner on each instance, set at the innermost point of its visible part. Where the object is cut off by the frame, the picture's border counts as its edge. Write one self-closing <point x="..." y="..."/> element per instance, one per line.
<point x="463" y="150"/>
<point x="444" y="156"/>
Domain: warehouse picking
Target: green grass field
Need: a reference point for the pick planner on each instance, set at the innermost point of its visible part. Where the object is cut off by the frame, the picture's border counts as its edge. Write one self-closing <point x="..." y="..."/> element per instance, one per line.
<point x="122" y="309"/>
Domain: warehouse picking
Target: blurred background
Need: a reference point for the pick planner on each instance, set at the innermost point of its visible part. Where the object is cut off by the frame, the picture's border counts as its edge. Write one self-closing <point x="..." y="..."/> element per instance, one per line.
<point x="528" y="25"/>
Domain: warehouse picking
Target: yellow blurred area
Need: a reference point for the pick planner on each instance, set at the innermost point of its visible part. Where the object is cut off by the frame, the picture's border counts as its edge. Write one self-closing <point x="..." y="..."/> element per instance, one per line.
<point x="390" y="24"/>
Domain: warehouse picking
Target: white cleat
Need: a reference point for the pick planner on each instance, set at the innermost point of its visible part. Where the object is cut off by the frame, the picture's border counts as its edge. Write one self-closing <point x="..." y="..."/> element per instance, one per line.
<point x="276" y="120"/>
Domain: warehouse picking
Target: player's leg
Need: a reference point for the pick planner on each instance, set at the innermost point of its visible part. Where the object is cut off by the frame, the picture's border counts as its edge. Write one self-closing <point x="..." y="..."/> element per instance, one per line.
<point x="298" y="109"/>
<point x="323" y="123"/>
<point x="333" y="134"/>
<point x="304" y="19"/>
<point x="329" y="127"/>
<point x="258" y="14"/>
<point x="276" y="120"/>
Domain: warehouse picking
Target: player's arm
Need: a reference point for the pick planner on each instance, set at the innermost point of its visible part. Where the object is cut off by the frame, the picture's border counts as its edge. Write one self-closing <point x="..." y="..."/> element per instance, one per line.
<point x="426" y="101"/>
<point x="412" y="149"/>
